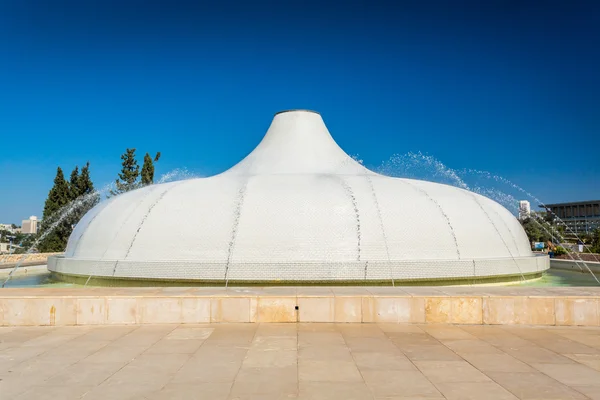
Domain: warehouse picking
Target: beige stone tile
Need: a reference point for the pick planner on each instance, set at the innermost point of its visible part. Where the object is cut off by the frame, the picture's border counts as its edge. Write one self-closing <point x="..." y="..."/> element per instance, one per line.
<point x="317" y="328"/>
<point x="351" y="330"/>
<point x="367" y="344"/>
<point x="334" y="391"/>
<point x="593" y="392"/>
<point x="222" y="352"/>
<point x="467" y="310"/>
<point x="565" y="346"/>
<point x="577" y="312"/>
<point x="261" y="396"/>
<point x="170" y="346"/>
<point x="38" y="311"/>
<point x="113" y="354"/>
<point x="277" y="309"/>
<point x="86" y="373"/>
<point x="124" y="391"/>
<point x="269" y="380"/>
<point x="462" y="347"/>
<point x="430" y="353"/>
<point x="474" y="391"/>
<point x="195" y="310"/>
<point x="399" y="383"/>
<point x="159" y="310"/>
<point x="408" y="339"/>
<point x="591" y="360"/>
<point x="54" y="392"/>
<point x="108" y="332"/>
<point x="586" y="339"/>
<point x="121" y="311"/>
<point x="535" y="311"/>
<point x="274" y="343"/>
<point x="226" y="336"/>
<point x="316" y="309"/>
<point x="207" y="371"/>
<point x="438" y="310"/>
<point x="260" y="358"/>
<point x="320" y="338"/>
<point x="399" y="328"/>
<point x="496" y="362"/>
<point x="534" y="354"/>
<point x="530" y="385"/>
<point x="91" y="311"/>
<point x="278" y="330"/>
<point x="399" y="309"/>
<point x="366" y="361"/>
<point x="325" y="352"/>
<point x="328" y="371"/>
<point x="450" y="371"/>
<point x="570" y="374"/>
<point x="189" y="391"/>
<point x="145" y="335"/>
<point x="498" y="310"/>
<point x="447" y="332"/>
<point x="235" y="309"/>
<point x="368" y="309"/>
<point x="185" y="332"/>
<point x="347" y="309"/>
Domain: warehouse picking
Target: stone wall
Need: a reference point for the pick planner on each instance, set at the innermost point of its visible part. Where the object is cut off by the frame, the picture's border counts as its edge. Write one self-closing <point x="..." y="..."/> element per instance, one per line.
<point x="420" y="305"/>
<point x="7" y="260"/>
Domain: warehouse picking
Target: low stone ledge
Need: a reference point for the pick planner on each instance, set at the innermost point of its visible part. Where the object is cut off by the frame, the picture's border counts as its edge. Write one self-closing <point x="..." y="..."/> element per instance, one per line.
<point x="488" y="306"/>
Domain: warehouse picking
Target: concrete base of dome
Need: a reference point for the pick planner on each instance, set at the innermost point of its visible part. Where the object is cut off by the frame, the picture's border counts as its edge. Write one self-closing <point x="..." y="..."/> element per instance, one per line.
<point x="406" y="273"/>
<point x="141" y="282"/>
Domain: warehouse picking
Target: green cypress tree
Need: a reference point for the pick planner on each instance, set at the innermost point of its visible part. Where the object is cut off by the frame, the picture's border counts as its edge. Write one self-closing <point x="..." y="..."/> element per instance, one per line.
<point x="58" y="197"/>
<point x="73" y="194"/>
<point x="85" y="188"/>
<point x="73" y="184"/>
<point x="148" y="169"/>
<point x="129" y="174"/>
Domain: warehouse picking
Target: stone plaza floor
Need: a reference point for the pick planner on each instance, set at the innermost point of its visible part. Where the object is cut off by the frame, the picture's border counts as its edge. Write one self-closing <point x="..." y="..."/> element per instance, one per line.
<point x="299" y="361"/>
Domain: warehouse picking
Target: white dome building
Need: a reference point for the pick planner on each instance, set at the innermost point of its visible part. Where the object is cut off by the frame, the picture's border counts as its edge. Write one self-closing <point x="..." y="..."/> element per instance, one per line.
<point x="299" y="209"/>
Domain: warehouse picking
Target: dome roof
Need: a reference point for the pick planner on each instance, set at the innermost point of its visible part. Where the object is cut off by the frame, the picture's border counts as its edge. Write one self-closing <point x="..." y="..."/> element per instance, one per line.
<point x="298" y="208"/>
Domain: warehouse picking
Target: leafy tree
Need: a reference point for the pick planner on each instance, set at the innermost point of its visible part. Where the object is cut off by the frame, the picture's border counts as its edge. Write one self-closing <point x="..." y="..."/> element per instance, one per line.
<point x="148" y="169"/>
<point x="595" y="247"/>
<point x="58" y="197"/>
<point x="129" y="174"/>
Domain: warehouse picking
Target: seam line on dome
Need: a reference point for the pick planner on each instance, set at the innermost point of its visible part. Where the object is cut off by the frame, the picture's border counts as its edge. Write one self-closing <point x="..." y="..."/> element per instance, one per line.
<point x="350" y="194"/>
<point x="125" y="221"/>
<point x="385" y="240"/>
<point x="84" y="230"/>
<point x="439" y="207"/>
<point x="497" y="231"/>
<point x="234" y="229"/>
<point x="146" y="217"/>
<point x="512" y="236"/>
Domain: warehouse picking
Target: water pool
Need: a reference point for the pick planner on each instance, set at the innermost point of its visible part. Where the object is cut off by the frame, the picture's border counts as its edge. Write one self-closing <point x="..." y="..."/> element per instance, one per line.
<point x="39" y="276"/>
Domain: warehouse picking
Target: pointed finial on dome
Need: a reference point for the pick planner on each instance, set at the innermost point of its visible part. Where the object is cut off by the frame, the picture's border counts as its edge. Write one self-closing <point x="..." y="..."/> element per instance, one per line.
<point x="297" y="110"/>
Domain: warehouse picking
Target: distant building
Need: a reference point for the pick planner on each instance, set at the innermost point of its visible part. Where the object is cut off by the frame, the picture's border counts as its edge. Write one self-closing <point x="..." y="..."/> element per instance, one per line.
<point x="524" y="209"/>
<point x="7" y="227"/>
<point x="30" y="225"/>
<point x="579" y="217"/>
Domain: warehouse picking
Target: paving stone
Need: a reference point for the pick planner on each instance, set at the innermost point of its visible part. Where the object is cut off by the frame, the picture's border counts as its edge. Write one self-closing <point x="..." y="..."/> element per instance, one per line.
<point x="299" y="361"/>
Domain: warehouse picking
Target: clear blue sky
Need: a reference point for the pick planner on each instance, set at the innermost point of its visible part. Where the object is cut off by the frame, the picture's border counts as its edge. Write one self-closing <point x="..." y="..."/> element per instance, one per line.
<point x="512" y="87"/>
